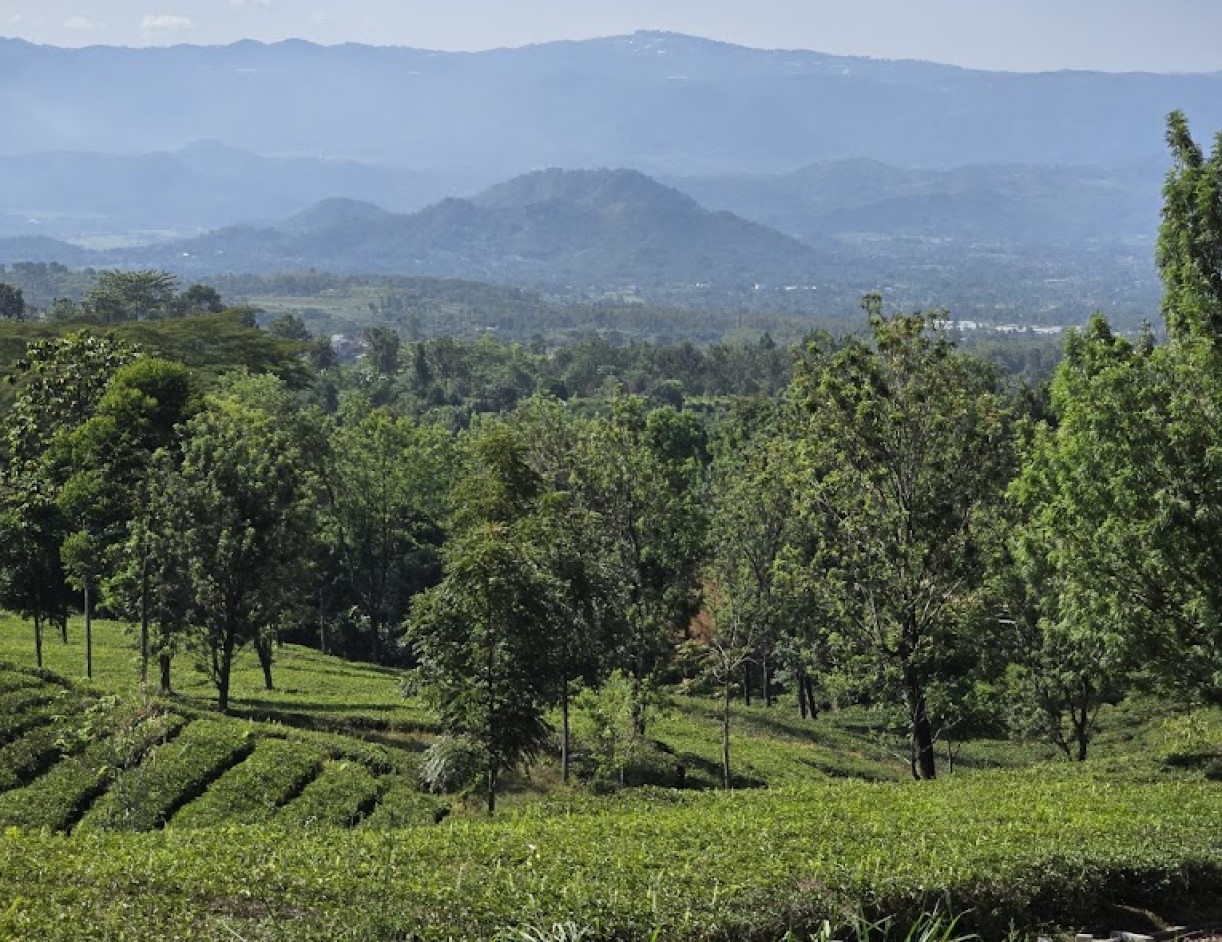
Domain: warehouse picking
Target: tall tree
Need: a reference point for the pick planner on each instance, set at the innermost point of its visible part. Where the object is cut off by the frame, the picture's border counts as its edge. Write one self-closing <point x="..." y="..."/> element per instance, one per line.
<point x="1190" y="237"/>
<point x="386" y="481"/>
<point x="243" y="514"/>
<point x="906" y="437"/>
<point x="63" y="380"/>
<point x="642" y="475"/>
<point x="485" y="636"/>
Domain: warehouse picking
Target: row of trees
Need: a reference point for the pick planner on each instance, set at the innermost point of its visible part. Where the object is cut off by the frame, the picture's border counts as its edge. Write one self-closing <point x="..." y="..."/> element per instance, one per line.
<point x="895" y="528"/>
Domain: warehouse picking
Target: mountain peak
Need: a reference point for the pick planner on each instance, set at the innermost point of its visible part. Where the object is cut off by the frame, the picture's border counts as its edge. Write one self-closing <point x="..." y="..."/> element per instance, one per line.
<point x="582" y="187"/>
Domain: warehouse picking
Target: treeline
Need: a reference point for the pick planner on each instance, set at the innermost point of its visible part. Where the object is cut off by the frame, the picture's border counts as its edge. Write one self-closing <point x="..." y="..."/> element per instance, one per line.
<point x="891" y="522"/>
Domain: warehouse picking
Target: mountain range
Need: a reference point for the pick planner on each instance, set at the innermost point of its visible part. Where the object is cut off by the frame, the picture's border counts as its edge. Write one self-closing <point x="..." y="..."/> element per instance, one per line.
<point x="662" y="103"/>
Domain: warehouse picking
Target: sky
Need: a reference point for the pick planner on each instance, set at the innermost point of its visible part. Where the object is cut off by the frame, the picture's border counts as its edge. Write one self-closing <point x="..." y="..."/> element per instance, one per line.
<point x="1014" y="35"/>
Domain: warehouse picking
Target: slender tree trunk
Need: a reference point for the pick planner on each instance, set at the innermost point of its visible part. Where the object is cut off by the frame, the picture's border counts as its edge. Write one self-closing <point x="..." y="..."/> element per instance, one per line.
<point x="564" y="731"/>
<point x="801" y="684"/>
<point x="806" y="690"/>
<point x="322" y="625"/>
<point x="63" y="629"/>
<point x="491" y="789"/>
<point x="88" y="633"/>
<point x="766" y="680"/>
<point x="263" y="647"/>
<point x="222" y="679"/>
<point x="924" y="766"/>
<point x="165" y="687"/>
<point x="144" y="627"/>
<point x="38" y="640"/>
<point x="725" y="733"/>
<point x="747" y="683"/>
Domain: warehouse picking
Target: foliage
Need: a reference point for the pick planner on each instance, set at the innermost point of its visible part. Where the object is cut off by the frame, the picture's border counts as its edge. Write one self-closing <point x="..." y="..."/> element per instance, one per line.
<point x="147" y="796"/>
<point x="340" y="796"/>
<point x="252" y="792"/>
<point x="1005" y="849"/>
<point x="906" y="437"/>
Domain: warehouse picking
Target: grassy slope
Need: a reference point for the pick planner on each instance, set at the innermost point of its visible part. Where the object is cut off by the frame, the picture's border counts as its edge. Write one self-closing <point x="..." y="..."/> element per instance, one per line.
<point x="1055" y="844"/>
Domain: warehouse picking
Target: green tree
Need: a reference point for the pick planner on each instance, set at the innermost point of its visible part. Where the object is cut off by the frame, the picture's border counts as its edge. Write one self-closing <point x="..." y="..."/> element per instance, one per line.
<point x="1190" y="237"/>
<point x="642" y="472"/>
<point x="63" y="380"/>
<point x="386" y="481"/>
<point x="242" y="515"/>
<point x="485" y="636"/>
<point x="131" y="295"/>
<point x="907" y="439"/>
<point x="12" y="303"/>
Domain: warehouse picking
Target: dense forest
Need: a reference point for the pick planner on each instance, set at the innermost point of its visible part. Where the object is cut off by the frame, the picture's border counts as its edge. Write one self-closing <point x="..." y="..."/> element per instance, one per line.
<point x="972" y="543"/>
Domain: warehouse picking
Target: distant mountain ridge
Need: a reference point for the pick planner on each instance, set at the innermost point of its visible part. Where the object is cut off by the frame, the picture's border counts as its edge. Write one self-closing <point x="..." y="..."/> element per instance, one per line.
<point x="660" y="102"/>
<point x="588" y="227"/>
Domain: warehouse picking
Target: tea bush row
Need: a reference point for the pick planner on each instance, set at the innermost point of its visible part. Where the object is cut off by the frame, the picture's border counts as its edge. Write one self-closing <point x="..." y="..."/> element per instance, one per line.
<point x="1028" y="850"/>
<point x="146" y="797"/>
<point x="341" y="796"/>
<point x="254" y="790"/>
<point x="57" y="798"/>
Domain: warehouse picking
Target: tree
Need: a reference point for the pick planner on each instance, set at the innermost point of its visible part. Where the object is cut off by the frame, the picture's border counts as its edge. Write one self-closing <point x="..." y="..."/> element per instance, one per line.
<point x="1190" y="237"/>
<point x="107" y="499"/>
<point x="131" y="295"/>
<point x="64" y="379"/>
<point x="906" y="440"/>
<point x="241" y="517"/>
<point x="382" y="354"/>
<point x="756" y="535"/>
<point x="385" y="482"/>
<point x="641" y="474"/>
<point x="576" y="548"/>
<point x="12" y="303"/>
<point x="485" y="636"/>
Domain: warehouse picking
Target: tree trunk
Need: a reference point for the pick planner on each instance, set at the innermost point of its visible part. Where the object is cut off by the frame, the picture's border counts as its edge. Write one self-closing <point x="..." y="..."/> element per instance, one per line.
<point x="144" y="627"/>
<point x="766" y="680"/>
<point x="808" y="691"/>
<point x="165" y="688"/>
<point x="38" y="640"/>
<point x="491" y="785"/>
<point x="747" y="683"/>
<point x="564" y="731"/>
<point x="63" y="629"/>
<point x="222" y="679"/>
<point x="725" y="733"/>
<point x="322" y="625"/>
<point x="922" y="733"/>
<point x="88" y="634"/>
<point x="263" y="647"/>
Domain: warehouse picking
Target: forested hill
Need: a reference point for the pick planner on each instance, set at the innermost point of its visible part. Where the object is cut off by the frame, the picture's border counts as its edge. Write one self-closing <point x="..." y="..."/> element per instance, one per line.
<point x="566" y="227"/>
<point x="656" y="101"/>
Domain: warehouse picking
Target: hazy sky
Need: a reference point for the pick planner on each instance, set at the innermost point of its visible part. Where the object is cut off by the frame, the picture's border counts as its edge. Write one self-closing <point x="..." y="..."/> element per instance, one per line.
<point x="1115" y="35"/>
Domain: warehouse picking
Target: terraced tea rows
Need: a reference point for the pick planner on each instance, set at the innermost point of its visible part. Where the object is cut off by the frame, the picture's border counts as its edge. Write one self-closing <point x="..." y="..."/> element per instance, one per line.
<point x="72" y="761"/>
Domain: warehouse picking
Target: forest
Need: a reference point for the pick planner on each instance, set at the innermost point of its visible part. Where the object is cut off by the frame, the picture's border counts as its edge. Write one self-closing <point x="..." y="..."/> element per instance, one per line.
<point x="956" y="542"/>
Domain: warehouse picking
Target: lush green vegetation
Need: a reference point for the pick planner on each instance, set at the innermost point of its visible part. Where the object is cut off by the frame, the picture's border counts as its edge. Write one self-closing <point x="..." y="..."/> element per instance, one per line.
<point x="342" y="611"/>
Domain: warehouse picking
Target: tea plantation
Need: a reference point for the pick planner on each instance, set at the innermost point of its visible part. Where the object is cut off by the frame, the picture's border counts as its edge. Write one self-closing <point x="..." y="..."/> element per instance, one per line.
<point x="301" y="817"/>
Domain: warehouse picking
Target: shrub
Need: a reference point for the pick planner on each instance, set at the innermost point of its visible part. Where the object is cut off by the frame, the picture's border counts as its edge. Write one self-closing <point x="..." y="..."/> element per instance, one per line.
<point x="251" y="792"/>
<point x="453" y="764"/>
<point x="341" y="796"/>
<point x="147" y="796"/>
<point x="58" y="798"/>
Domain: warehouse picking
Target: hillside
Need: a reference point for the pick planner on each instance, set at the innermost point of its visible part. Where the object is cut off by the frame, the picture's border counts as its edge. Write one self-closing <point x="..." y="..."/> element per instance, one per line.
<point x="561" y="227"/>
<point x="1001" y="203"/>
<point x="300" y="818"/>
